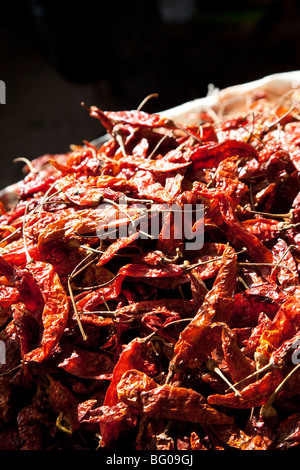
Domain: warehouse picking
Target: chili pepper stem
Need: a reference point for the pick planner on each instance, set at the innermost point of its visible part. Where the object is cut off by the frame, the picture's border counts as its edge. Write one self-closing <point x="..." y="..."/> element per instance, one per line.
<point x="28" y="163"/>
<point x="181" y="128"/>
<point x="271" y="365"/>
<point x="272" y="124"/>
<point x="119" y="206"/>
<point x="60" y="426"/>
<point x="116" y="134"/>
<point x="84" y="337"/>
<point x="275" y="265"/>
<point x="46" y="196"/>
<point x="268" y="214"/>
<point x="28" y="257"/>
<point x="213" y="366"/>
<point x="146" y="99"/>
<point x="189" y="267"/>
<point x="159" y="144"/>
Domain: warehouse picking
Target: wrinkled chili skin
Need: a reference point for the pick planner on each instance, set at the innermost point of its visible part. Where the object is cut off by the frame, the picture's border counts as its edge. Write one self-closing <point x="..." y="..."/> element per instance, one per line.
<point x="171" y="402"/>
<point x="203" y="333"/>
<point x="139" y="342"/>
<point x="55" y="314"/>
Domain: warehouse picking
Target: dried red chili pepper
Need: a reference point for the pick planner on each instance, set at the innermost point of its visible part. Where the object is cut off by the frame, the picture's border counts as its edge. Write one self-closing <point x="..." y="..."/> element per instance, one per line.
<point x="115" y="247"/>
<point x="135" y="355"/>
<point x="166" y="401"/>
<point x="55" y="313"/>
<point x="237" y="234"/>
<point x="203" y="333"/>
<point x="211" y="154"/>
<point x="212" y="319"/>
<point x="253" y="395"/>
<point x="84" y="363"/>
<point x="284" y="325"/>
<point x="238" y="365"/>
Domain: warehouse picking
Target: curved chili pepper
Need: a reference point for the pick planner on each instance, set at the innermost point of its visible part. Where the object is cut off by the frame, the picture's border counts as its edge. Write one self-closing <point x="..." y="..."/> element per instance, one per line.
<point x="238" y="234"/>
<point x="238" y="365"/>
<point x="115" y="247"/>
<point x="27" y="287"/>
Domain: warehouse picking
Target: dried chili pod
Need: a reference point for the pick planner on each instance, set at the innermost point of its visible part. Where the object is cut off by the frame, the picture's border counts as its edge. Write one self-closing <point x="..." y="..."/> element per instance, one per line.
<point x="64" y="403"/>
<point x="84" y="363"/>
<point x="135" y="355"/>
<point x="134" y="117"/>
<point x="253" y="395"/>
<point x="167" y="401"/>
<point x="238" y="234"/>
<point x="203" y="333"/>
<point x="285" y="324"/>
<point x="239" y="366"/>
<point x="55" y="313"/>
<point x="27" y="286"/>
<point x="288" y="433"/>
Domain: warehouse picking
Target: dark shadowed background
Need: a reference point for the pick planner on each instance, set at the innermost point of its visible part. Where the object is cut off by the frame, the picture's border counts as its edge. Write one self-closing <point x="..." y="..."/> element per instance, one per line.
<point x="55" y="54"/>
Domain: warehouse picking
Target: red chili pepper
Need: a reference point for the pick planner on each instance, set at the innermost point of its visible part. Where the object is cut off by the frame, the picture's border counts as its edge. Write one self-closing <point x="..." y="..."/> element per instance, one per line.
<point x="253" y="395"/>
<point x="135" y="118"/>
<point x="27" y="287"/>
<point x="115" y="247"/>
<point x="84" y="363"/>
<point x="167" y="401"/>
<point x="203" y="333"/>
<point x="135" y="355"/>
<point x="239" y="235"/>
<point x="284" y="325"/>
<point x="211" y="154"/>
<point x="55" y="314"/>
<point x="238" y="365"/>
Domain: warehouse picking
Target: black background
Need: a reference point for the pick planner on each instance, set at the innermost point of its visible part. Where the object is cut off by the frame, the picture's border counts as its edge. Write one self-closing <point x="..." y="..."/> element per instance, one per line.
<point x="56" y="54"/>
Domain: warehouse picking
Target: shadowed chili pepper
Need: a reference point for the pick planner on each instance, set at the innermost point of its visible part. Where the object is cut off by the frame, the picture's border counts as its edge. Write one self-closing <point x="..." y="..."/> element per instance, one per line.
<point x="27" y="286"/>
<point x="211" y="154"/>
<point x="84" y="363"/>
<point x="135" y="355"/>
<point x="135" y="118"/>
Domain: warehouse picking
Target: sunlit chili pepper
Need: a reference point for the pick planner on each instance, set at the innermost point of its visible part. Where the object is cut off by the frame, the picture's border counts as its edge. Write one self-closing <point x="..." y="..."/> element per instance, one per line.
<point x="203" y="333"/>
<point x="55" y="313"/>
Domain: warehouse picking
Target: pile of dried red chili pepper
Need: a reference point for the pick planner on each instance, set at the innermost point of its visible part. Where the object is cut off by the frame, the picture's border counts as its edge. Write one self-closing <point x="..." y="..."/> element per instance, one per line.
<point x="137" y="342"/>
